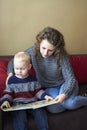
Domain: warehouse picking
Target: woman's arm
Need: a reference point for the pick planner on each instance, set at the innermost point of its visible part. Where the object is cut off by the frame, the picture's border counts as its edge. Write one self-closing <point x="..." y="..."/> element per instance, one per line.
<point x="10" y="70"/>
<point x="68" y="74"/>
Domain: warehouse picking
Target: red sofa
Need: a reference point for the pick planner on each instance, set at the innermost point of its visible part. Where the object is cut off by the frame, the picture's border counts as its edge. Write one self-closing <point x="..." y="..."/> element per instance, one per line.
<point x="68" y="120"/>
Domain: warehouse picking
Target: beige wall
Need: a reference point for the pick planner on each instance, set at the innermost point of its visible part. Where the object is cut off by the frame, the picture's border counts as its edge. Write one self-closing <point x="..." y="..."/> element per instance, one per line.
<point x="21" y="20"/>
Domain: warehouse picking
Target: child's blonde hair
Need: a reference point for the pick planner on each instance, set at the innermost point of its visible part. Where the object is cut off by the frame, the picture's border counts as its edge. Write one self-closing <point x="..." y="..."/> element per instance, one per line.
<point x="22" y="56"/>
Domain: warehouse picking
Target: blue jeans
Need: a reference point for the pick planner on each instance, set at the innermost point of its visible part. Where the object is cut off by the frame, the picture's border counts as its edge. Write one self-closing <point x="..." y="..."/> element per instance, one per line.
<point x="20" y="119"/>
<point x="72" y="102"/>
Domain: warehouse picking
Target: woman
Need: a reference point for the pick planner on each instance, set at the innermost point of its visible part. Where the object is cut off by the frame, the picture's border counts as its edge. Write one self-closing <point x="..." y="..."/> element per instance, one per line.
<point x="53" y="70"/>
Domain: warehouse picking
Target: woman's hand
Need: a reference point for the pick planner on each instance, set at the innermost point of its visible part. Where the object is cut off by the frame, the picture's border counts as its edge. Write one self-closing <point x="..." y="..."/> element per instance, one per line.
<point x="5" y="104"/>
<point x="9" y="75"/>
<point x="60" y="98"/>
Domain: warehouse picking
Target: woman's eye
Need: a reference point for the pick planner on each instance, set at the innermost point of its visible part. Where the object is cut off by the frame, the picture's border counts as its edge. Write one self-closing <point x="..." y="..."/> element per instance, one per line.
<point x="50" y="50"/>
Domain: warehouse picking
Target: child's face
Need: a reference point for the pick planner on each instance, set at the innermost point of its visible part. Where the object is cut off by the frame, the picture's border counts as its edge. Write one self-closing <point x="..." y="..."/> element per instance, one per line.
<point x="46" y="49"/>
<point x="21" y="69"/>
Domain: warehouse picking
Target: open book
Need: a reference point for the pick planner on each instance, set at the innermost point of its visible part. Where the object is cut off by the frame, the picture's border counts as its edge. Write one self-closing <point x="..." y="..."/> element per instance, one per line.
<point x="33" y="105"/>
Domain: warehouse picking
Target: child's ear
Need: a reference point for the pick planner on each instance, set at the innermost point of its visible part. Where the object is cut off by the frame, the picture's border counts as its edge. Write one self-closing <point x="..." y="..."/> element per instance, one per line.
<point x="30" y="65"/>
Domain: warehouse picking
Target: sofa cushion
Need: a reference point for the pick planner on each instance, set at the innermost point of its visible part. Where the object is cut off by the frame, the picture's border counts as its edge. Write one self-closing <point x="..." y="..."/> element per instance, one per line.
<point x="79" y="65"/>
<point x="3" y="73"/>
<point x="78" y="62"/>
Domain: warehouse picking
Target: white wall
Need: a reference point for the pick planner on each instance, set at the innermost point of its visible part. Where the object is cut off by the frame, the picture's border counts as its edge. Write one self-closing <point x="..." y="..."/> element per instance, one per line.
<point x="21" y="20"/>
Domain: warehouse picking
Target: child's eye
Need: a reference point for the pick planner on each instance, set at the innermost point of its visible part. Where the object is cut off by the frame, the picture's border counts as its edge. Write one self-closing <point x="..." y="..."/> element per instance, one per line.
<point x="16" y="68"/>
<point x="43" y="48"/>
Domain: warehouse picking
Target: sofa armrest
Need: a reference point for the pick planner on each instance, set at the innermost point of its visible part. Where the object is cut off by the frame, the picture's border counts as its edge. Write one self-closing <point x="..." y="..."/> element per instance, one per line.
<point x="1" y="118"/>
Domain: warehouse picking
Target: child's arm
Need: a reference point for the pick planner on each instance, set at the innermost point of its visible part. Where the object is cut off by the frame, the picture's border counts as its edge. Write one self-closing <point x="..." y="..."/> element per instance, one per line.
<point x="48" y="98"/>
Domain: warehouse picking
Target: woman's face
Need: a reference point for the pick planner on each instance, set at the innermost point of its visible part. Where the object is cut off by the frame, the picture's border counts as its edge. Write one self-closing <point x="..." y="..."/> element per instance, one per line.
<point x="46" y="48"/>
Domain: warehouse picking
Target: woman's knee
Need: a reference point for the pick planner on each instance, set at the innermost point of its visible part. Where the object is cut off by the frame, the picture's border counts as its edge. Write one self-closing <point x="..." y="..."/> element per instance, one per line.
<point x="53" y="92"/>
<point x="70" y="104"/>
<point x="55" y="108"/>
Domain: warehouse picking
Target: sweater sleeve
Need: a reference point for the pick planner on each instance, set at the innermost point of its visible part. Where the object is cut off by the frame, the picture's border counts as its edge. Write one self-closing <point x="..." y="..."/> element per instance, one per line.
<point x="10" y="68"/>
<point x="3" y="100"/>
<point x="39" y="92"/>
<point x="7" y="94"/>
<point x="68" y="74"/>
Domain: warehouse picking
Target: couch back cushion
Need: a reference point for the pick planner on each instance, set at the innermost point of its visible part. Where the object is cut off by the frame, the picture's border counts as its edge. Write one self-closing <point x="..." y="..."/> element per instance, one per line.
<point x="3" y="74"/>
<point x="78" y="62"/>
<point x="79" y="65"/>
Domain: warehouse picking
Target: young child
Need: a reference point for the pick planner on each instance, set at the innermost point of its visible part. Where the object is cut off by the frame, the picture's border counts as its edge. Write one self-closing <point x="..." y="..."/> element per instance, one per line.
<point x="24" y="88"/>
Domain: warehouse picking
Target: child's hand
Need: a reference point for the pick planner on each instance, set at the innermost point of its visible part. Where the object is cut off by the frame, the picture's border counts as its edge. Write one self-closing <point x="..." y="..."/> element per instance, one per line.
<point x="5" y="104"/>
<point x="48" y="98"/>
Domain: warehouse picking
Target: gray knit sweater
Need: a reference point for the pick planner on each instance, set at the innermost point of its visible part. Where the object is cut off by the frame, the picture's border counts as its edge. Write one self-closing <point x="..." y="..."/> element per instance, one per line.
<point x="51" y="73"/>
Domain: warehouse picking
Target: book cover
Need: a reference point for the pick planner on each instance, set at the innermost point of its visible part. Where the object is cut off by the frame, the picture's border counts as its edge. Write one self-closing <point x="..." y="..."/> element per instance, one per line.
<point x="33" y="105"/>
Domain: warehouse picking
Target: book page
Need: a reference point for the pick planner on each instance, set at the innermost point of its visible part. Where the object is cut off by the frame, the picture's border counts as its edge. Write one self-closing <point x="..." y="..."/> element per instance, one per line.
<point x="33" y="105"/>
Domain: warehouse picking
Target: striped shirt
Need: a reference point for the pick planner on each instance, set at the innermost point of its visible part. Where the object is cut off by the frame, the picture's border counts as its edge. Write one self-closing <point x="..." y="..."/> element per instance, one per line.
<point x="23" y="90"/>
